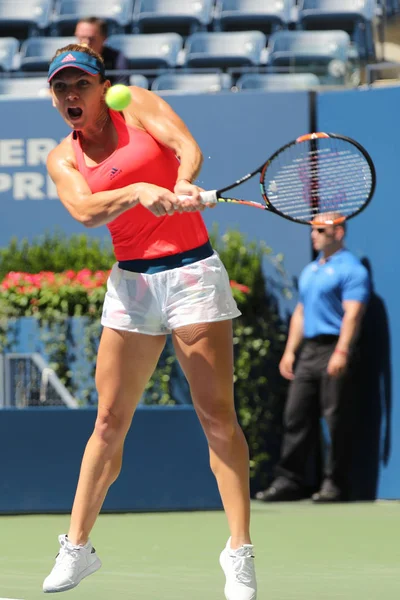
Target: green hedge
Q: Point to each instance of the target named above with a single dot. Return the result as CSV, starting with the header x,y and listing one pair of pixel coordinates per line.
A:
x,y
68,279
57,253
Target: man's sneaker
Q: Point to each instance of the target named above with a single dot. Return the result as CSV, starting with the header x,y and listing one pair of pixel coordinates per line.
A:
x,y
238,566
329,492
282,490
73,563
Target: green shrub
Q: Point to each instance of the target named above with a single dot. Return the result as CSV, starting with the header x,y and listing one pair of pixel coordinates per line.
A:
x,y
57,253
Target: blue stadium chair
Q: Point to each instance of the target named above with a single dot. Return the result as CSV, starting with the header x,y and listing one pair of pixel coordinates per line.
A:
x,y
37,52
24,18
262,15
224,49
148,50
356,18
117,14
26,87
392,7
328,54
139,81
277,81
8,50
192,82
182,16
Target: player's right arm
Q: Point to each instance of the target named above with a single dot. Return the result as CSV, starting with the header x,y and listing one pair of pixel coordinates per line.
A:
x,y
294,340
94,210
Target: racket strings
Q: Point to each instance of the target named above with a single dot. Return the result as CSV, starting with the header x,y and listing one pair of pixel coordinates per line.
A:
x,y
321,176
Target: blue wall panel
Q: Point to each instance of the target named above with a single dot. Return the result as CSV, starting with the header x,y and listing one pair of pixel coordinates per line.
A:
x,y
165,463
236,133
370,116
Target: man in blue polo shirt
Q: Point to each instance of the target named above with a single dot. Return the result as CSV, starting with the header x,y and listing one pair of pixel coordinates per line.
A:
x,y
334,290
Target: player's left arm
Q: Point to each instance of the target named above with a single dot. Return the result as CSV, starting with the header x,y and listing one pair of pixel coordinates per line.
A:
x,y
158,118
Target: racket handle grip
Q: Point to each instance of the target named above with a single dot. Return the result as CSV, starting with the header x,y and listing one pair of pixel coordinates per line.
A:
x,y
209,197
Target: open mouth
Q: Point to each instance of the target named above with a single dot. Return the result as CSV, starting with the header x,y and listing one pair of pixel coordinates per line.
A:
x,y
74,113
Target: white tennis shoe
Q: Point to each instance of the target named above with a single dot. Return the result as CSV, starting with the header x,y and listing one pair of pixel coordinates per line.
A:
x,y
73,563
238,566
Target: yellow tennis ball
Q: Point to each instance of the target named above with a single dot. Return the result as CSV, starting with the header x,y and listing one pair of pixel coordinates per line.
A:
x,y
118,96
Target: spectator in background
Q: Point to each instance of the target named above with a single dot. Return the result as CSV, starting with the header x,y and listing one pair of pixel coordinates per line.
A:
x,y
334,290
93,32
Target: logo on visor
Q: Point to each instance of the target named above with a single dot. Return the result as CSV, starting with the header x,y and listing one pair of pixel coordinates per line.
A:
x,y
69,58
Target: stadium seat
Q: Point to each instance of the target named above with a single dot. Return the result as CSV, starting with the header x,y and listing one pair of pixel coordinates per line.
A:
x,y
27,87
224,49
328,54
148,50
37,52
181,16
117,14
8,51
356,18
392,7
261,15
24,18
192,82
277,81
139,81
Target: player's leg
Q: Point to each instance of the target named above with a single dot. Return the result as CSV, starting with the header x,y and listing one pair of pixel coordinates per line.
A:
x,y
125,363
199,309
205,352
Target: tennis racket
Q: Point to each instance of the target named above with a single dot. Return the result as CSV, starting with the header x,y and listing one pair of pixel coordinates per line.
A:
x,y
315,174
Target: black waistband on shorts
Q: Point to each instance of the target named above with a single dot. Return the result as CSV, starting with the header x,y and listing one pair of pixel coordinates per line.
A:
x,y
324,338
165,263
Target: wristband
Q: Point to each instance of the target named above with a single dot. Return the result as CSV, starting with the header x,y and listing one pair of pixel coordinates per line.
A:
x,y
344,352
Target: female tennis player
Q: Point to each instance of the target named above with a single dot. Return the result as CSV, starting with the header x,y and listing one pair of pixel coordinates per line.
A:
x,y
126,170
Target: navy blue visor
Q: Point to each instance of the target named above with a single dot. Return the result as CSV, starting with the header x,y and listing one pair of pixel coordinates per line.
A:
x,y
77,60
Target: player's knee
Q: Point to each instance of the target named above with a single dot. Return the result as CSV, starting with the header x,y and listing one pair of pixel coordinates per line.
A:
x,y
111,428
219,424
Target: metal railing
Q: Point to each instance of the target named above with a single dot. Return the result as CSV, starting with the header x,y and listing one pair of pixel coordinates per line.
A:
x,y
27,380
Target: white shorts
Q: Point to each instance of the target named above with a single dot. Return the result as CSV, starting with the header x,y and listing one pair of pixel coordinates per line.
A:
x,y
158,303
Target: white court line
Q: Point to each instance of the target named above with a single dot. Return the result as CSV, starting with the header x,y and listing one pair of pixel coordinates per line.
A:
x,y
8,598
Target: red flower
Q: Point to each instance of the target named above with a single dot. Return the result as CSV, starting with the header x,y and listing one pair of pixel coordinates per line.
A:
x,y
31,283
240,286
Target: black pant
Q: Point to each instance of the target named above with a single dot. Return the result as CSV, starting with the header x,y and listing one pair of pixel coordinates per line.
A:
x,y
313,394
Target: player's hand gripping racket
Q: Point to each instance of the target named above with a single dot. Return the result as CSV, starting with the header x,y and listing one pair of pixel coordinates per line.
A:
x,y
316,173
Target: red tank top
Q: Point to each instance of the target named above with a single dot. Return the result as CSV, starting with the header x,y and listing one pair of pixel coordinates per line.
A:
x,y
137,233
